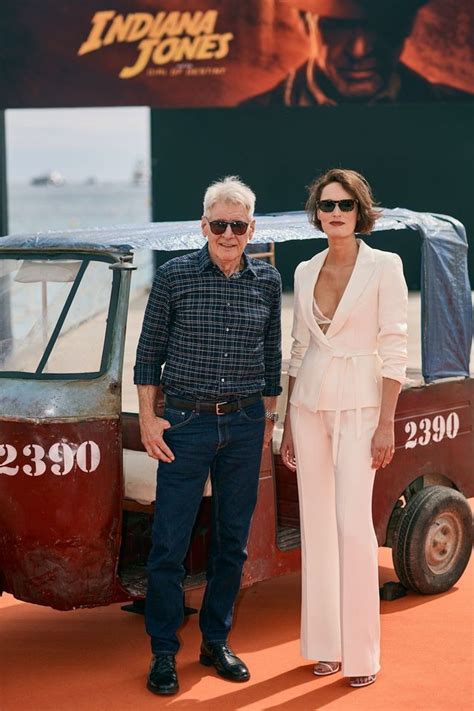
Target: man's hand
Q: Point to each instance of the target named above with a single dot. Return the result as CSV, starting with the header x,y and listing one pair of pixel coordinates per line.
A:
x,y
269,403
151,430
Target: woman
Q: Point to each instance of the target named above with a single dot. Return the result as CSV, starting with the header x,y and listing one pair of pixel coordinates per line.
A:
x,y
347,365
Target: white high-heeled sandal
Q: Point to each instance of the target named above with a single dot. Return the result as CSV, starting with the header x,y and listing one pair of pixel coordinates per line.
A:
x,y
331,668
358,684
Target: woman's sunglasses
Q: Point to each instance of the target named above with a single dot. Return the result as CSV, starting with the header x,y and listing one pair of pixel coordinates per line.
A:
x,y
329,205
218,227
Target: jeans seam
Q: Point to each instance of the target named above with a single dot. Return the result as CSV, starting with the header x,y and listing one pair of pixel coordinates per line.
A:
x,y
250,419
217,539
243,414
192,417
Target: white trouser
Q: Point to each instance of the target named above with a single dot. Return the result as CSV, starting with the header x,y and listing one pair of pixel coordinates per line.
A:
x,y
340,590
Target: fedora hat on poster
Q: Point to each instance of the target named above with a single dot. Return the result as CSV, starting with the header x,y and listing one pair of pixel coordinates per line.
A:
x,y
357,9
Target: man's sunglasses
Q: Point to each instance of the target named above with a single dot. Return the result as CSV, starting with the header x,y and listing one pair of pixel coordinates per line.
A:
x,y
330,205
218,227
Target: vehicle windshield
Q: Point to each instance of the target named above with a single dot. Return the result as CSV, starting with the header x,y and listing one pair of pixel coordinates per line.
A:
x,y
53,316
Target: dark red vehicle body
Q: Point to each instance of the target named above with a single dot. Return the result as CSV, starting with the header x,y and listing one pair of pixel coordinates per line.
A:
x,y
69,538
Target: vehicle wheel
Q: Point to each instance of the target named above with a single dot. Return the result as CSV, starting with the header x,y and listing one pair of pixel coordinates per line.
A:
x,y
432,542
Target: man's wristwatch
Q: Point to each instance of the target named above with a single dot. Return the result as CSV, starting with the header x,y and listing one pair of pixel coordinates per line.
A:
x,y
273,416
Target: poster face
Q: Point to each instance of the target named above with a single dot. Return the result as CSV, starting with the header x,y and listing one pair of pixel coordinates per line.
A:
x,y
221,53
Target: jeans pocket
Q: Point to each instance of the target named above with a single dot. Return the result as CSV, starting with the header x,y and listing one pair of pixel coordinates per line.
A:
x,y
254,413
178,418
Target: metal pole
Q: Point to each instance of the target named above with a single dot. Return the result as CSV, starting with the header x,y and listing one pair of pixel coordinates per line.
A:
x,y
5,311
3,178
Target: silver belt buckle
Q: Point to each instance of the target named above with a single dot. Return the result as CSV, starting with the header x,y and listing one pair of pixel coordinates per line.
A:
x,y
218,405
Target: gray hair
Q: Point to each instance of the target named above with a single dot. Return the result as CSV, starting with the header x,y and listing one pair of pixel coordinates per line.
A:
x,y
229,189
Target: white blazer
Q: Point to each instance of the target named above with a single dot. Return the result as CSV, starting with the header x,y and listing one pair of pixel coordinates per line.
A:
x,y
366,340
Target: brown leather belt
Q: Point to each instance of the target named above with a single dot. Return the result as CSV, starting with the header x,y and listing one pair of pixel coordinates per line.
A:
x,y
218,408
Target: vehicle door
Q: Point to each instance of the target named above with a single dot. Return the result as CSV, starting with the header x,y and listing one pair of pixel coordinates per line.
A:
x,y
61,349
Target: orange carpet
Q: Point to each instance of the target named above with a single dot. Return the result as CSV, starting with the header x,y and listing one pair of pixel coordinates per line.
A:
x,y
96,660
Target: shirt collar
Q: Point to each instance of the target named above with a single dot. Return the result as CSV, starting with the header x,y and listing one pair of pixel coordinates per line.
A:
x,y
205,262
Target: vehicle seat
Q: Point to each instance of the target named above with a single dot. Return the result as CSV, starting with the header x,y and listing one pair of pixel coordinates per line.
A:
x,y
139,470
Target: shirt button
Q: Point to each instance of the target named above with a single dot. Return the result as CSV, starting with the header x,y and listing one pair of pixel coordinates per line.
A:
x,y
225,355
222,380
228,303
227,329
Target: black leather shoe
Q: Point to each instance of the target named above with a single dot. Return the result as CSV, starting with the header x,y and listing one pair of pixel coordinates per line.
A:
x,y
162,677
227,664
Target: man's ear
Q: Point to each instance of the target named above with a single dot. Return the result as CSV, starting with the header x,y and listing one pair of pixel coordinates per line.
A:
x,y
203,225
251,229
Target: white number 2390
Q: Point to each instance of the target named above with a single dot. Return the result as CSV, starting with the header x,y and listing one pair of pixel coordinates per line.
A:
x,y
61,455
432,430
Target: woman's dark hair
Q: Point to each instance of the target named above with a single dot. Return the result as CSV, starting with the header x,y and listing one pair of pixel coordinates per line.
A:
x,y
356,185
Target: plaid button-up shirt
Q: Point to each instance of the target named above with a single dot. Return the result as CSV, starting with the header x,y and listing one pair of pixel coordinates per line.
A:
x,y
219,337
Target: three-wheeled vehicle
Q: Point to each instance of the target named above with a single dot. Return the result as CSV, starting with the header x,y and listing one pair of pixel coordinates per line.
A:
x,y
76,486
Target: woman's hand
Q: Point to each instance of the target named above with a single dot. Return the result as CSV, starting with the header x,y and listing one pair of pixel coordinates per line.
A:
x,y
383,445
287,449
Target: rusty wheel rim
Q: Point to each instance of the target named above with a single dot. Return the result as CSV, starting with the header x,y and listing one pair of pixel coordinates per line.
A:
x,y
443,542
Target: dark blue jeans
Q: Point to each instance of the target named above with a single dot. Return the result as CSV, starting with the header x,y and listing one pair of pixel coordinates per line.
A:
x,y
230,447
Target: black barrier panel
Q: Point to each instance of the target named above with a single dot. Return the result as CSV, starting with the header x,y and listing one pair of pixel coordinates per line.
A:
x,y
415,156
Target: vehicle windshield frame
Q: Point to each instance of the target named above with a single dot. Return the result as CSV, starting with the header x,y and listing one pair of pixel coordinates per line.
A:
x,y
86,257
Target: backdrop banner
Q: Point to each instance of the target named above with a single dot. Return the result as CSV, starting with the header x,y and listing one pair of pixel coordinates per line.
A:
x,y
211,53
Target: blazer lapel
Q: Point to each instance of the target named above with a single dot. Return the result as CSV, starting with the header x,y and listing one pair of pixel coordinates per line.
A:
x,y
361,274
307,292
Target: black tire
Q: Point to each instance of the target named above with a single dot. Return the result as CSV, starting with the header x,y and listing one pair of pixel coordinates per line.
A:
x,y
433,540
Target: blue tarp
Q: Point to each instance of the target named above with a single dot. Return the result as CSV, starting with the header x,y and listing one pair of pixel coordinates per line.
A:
x,y
445,289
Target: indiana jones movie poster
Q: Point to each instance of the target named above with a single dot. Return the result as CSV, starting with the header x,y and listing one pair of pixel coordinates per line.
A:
x,y
206,53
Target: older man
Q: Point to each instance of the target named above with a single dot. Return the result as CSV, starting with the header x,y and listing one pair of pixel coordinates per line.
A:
x,y
213,319
355,48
